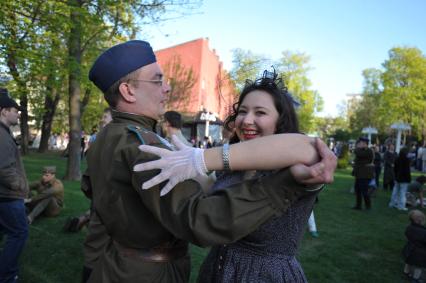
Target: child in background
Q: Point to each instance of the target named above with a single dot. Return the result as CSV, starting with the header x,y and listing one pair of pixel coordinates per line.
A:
x,y
414,252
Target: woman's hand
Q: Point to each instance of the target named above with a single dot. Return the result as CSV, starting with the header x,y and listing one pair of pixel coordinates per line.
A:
x,y
318,173
176,166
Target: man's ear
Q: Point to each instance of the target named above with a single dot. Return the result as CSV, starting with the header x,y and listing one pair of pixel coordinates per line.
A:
x,y
126,93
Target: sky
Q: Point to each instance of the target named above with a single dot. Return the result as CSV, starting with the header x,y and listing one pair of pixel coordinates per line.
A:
x,y
342,37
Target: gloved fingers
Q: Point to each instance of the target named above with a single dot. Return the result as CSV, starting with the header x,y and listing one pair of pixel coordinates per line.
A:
x,y
154,181
154,150
168,187
178,143
150,165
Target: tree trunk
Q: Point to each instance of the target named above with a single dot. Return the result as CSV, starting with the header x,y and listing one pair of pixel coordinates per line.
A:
x,y
12,65
50,103
74,89
25,132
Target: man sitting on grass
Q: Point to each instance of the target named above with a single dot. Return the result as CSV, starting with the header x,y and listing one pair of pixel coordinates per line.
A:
x,y
50,195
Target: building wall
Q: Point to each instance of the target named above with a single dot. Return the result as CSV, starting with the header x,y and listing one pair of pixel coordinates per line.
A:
x,y
213,90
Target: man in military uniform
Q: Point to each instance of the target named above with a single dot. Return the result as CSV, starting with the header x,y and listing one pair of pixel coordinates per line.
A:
x,y
50,195
147,236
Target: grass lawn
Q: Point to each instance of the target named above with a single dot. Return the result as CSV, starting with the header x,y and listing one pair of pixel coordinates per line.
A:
x,y
354,246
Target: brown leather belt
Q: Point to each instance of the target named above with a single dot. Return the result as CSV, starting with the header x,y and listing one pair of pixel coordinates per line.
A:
x,y
157,254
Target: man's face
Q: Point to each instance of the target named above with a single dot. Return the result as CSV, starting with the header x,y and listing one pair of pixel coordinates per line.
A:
x,y
47,177
151,91
10,116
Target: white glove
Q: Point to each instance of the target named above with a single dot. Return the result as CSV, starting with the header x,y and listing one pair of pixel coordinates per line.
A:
x,y
177,166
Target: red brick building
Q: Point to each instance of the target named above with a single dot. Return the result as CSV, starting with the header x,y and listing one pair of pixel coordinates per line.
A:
x,y
201,88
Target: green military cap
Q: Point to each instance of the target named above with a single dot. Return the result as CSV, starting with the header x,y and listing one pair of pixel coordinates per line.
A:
x,y
49,169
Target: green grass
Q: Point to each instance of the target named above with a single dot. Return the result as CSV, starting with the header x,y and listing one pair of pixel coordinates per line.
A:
x,y
354,246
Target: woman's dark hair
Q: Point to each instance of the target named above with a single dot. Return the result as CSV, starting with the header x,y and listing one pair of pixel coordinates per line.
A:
x,y
274,86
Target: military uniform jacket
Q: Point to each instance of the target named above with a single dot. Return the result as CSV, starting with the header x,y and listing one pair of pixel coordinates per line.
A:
x,y
53,189
13,181
363,167
137,218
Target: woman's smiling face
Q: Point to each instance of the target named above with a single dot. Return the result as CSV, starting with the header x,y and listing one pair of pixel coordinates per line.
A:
x,y
257,116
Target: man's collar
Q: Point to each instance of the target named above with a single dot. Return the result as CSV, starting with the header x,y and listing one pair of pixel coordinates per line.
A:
x,y
146,122
5,126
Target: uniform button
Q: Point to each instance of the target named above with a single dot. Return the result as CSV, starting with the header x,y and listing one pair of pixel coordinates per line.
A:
x,y
224,246
286,200
221,257
220,267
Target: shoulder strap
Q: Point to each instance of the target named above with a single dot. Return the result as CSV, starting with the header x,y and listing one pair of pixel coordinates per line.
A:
x,y
147,137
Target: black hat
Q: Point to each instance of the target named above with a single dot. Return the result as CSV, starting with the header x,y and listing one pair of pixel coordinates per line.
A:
x,y
6,101
363,139
120,60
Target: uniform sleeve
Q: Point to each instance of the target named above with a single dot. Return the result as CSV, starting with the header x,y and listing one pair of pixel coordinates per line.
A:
x,y
54,190
86,186
222,217
9,176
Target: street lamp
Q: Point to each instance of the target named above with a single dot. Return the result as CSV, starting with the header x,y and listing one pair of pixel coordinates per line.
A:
x,y
369,130
399,126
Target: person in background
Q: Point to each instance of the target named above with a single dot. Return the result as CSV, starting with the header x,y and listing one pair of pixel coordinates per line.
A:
x,y
402,179
363,172
389,158
50,195
377,165
13,191
414,252
172,125
416,188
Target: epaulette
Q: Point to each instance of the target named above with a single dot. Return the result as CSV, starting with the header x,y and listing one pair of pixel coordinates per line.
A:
x,y
143,135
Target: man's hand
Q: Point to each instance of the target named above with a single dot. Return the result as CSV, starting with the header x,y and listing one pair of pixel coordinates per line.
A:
x,y
176,166
319,173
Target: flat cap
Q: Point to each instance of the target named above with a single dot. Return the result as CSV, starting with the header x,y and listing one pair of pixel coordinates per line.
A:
x,y
120,60
6,101
49,169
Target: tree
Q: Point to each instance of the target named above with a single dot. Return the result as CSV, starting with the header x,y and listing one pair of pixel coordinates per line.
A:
x,y
79,29
404,88
246,65
294,68
181,80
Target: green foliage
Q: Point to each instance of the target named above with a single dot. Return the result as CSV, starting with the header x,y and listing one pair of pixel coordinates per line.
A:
x,y
246,65
294,67
343,161
396,93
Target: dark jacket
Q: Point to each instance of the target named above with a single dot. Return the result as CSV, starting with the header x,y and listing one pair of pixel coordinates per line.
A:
x,y
414,251
389,164
363,166
140,219
402,170
13,181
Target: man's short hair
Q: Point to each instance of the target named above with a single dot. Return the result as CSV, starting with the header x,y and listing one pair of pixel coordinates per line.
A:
x,y
174,119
